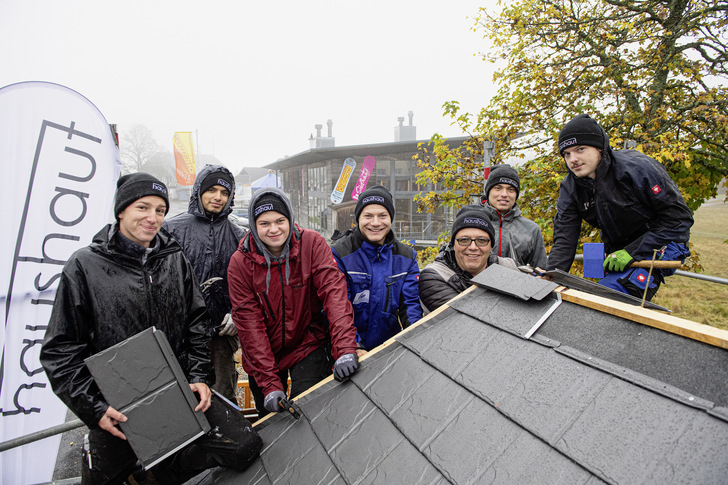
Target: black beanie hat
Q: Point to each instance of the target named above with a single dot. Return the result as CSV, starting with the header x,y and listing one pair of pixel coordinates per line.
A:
x,y
220,178
374,195
503,174
134,186
472,216
582,130
270,202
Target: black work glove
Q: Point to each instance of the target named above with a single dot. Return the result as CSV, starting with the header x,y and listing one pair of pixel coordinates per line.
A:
x,y
345,366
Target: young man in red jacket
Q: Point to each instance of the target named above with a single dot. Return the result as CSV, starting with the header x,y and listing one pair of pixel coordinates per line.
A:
x,y
290,305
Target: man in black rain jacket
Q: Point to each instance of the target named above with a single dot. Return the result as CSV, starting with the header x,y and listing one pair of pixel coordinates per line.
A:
x,y
626,194
208,239
131,277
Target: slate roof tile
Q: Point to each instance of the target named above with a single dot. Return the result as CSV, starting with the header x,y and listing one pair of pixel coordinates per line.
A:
x,y
472,441
506,313
389,382
403,465
452,344
528,458
627,431
283,455
523,286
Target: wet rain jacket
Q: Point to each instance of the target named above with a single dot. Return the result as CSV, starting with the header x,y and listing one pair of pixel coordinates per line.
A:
x,y
442,280
517,237
382,284
632,200
106,296
284,323
208,242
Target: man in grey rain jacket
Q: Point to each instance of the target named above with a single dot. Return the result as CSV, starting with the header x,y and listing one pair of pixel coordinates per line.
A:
x,y
516,237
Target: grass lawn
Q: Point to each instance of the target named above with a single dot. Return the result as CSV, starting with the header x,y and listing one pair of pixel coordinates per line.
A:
x,y
697,300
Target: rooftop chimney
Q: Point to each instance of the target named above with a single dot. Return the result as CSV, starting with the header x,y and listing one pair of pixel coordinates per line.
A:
x,y
405,133
322,141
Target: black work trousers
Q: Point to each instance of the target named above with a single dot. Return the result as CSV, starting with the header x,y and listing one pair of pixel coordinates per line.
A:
x,y
231,443
305,373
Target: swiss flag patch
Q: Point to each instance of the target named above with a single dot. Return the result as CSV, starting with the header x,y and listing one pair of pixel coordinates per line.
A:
x,y
641,278
656,189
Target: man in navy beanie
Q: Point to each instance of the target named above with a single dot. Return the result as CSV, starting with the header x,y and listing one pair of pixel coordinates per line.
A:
x,y
516,237
467,254
134,276
381,272
626,194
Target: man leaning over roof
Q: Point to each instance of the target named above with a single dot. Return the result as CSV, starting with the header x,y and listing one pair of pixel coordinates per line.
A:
x,y
208,239
516,237
131,277
626,194
381,272
467,254
289,305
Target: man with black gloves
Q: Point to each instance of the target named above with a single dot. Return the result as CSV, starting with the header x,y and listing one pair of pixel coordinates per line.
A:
x,y
208,239
134,276
516,237
467,254
289,304
381,272
626,194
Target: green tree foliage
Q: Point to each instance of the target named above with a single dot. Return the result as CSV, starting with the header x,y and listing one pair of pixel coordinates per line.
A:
x,y
649,71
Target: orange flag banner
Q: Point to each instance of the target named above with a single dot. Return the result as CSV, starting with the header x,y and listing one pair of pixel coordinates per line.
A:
x,y
184,157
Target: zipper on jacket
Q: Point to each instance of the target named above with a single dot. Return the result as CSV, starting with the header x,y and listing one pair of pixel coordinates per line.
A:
x,y
270,308
283,310
500,234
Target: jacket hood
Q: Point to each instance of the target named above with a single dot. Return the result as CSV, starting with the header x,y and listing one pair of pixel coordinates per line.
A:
x,y
195,205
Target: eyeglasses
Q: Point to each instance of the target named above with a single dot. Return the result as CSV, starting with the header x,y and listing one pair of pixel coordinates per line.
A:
x,y
481,242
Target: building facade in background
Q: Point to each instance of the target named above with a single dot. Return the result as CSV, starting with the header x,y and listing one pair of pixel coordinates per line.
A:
x,y
310,177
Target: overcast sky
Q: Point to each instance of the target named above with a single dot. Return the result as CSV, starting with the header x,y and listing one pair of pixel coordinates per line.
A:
x,y
253,78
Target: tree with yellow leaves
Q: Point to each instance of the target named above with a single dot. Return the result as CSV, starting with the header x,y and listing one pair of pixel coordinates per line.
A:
x,y
651,72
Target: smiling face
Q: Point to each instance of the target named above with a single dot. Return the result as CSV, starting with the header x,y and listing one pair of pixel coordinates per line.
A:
x,y
583,160
273,229
502,197
140,221
214,199
472,258
375,223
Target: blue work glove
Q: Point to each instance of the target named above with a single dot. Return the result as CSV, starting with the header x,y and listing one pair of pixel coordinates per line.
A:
x,y
345,366
618,261
272,399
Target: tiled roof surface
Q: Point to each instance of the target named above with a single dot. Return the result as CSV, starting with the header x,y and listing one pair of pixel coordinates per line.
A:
x,y
464,398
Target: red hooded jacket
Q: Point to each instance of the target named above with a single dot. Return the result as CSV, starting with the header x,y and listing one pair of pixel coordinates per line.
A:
x,y
283,324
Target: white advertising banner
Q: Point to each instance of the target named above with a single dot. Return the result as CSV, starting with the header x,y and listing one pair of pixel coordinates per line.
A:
x,y
58,169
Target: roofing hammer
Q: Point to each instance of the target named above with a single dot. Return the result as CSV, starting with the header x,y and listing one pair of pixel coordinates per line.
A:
x,y
288,405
